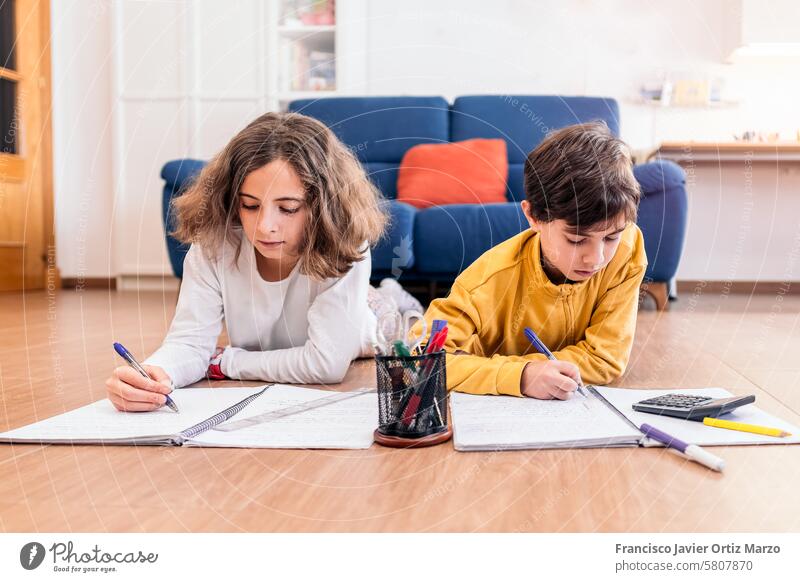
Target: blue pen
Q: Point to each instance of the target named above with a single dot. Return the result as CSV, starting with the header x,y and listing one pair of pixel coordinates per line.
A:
x,y
540,347
128,357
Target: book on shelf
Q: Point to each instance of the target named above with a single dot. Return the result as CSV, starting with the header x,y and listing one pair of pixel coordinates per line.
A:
x,y
312,70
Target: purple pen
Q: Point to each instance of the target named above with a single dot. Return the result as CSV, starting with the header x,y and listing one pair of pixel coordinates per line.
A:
x,y
694,452
543,349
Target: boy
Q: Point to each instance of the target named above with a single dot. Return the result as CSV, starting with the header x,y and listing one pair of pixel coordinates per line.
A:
x,y
573,277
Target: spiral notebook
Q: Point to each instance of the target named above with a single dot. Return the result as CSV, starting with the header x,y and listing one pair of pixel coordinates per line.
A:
x,y
490,423
344,423
604,419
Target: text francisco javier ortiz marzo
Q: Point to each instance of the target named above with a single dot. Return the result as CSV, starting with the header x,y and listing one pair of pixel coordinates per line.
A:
x,y
64,553
678,549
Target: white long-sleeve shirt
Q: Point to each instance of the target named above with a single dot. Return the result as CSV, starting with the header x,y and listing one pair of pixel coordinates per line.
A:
x,y
297,330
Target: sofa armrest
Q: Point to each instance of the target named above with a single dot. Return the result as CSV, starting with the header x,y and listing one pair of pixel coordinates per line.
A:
x,y
177,175
662,216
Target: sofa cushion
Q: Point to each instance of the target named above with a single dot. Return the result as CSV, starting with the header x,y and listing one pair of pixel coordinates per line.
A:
x,y
384,176
524,121
658,176
516,182
465,172
449,238
381,129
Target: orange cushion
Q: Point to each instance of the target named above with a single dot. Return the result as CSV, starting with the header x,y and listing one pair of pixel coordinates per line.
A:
x,y
463,172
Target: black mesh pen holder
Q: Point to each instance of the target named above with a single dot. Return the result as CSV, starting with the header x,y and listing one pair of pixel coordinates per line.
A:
x,y
412,400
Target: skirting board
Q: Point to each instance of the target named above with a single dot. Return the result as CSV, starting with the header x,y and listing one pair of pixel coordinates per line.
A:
x,y
82,283
740,287
170,283
122,283
147,283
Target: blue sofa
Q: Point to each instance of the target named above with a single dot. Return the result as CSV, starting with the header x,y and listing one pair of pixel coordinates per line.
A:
x,y
436,244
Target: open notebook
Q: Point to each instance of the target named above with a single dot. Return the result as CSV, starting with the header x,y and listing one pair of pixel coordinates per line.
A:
x,y
604,419
343,424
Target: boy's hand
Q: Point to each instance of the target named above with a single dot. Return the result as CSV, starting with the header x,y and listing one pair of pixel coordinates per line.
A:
x,y
550,379
129,391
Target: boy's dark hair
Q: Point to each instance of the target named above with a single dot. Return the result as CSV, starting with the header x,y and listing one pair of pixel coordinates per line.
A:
x,y
583,175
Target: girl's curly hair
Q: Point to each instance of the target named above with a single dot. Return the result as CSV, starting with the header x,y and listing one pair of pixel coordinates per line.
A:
x,y
344,206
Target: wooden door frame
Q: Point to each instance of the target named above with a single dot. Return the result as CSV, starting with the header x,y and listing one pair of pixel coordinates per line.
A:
x,y
41,165
52,274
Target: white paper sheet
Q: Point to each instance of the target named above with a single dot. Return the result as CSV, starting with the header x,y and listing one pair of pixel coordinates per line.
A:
x,y
347,424
507,422
101,422
696,432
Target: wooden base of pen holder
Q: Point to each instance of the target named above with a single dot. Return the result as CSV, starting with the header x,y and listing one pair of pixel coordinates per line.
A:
x,y
412,400
413,443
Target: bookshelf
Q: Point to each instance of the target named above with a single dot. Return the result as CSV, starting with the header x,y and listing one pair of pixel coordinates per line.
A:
x,y
316,49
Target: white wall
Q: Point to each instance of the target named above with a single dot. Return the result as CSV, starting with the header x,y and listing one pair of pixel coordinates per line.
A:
x,y
744,221
190,74
580,47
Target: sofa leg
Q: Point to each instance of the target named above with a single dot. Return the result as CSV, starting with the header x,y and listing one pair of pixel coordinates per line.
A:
x,y
659,291
433,290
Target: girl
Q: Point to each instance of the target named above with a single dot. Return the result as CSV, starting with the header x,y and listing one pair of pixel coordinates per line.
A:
x,y
280,223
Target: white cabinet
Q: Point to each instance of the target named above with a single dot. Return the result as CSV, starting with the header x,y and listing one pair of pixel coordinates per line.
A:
x,y
189,74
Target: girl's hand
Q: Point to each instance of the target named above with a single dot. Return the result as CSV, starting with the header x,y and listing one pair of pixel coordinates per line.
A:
x,y
129,391
550,379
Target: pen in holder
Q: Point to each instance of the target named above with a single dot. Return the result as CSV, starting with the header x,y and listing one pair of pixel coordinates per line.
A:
x,y
412,400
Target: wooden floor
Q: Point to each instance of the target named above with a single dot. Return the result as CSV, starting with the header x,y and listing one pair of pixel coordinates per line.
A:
x,y
55,353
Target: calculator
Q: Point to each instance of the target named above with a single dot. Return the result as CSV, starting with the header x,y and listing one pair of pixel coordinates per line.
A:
x,y
690,407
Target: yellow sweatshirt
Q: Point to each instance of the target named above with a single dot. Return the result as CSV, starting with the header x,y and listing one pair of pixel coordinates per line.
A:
x,y
590,323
